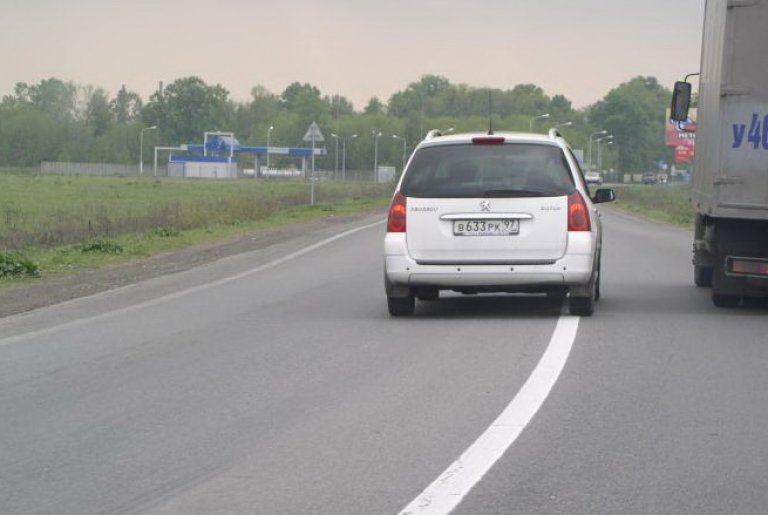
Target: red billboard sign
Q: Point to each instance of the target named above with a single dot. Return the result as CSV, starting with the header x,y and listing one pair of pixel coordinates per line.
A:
x,y
681,133
684,153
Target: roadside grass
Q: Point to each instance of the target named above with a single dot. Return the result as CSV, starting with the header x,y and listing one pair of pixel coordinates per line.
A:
x,y
663,202
53,225
66,224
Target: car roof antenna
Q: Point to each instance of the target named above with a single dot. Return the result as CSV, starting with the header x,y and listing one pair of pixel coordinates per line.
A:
x,y
490,113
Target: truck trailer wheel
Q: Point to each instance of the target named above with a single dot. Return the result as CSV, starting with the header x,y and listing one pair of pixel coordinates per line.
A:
x,y
722,300
702,276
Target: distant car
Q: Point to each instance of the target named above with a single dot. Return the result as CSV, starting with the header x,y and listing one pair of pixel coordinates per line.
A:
x,y
500,213
650,178
593,178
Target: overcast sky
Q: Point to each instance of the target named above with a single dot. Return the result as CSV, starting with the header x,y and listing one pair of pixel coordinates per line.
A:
x,y
357,48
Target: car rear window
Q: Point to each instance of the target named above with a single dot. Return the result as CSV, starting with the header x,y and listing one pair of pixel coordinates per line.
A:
x,y
468,170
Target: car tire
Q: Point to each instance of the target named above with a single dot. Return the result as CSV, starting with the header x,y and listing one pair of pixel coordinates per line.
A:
x,y
428,294
585,306
582,306
401,306
702,276
597,281
557,293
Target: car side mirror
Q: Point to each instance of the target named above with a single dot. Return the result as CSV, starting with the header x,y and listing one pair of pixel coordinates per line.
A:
x,y
604,195
681,101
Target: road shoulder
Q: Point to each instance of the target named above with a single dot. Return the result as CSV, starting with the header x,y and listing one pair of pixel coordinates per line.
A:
x,y
48,291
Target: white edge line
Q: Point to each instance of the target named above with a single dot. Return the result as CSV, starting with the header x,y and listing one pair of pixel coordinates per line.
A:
x,y
173,296
447,491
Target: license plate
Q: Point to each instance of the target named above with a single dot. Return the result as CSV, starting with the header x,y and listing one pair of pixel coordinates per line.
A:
x,y
486,227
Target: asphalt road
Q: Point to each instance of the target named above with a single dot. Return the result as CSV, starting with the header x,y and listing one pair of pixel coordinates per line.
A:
x,y
256,386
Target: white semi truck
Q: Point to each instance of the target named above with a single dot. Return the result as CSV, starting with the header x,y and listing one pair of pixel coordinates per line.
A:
x,y
730,178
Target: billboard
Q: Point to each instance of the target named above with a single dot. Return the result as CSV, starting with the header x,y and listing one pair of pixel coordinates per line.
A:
x,y
684,153
682,133
682,136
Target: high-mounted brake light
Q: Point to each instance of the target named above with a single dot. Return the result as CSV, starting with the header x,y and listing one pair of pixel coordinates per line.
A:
x,y
578,215
397,212
489,140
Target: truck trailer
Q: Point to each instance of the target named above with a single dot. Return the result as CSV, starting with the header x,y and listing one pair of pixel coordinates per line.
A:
x,y
730,174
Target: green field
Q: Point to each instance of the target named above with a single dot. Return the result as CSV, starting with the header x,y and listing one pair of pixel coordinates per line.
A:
x,y
51,224
663,202
62,223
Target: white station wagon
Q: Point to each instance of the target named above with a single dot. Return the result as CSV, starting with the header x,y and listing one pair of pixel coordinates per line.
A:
x,y
489,213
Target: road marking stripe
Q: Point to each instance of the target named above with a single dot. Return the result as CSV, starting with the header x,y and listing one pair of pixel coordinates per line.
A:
x,y
176,295
448,490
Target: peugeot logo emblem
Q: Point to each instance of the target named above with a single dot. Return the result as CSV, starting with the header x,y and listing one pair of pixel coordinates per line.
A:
x,y
485,206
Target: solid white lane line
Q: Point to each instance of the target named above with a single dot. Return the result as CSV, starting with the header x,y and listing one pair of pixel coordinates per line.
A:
x,y
448,490
173,296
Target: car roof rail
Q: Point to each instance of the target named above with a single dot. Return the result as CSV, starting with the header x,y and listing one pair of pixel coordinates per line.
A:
x,y
434,133
554,134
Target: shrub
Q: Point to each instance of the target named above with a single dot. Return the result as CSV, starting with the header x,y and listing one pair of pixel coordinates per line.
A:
x,y
17,265
166,232
100,247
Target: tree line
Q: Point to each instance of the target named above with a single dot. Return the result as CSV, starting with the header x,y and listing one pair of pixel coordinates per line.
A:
x,y
55,120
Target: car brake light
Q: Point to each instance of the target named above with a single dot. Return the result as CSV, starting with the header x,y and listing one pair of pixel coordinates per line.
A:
x,y
578,216
489,140
397,211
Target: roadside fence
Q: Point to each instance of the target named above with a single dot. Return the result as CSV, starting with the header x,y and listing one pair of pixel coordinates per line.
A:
x,y
98,169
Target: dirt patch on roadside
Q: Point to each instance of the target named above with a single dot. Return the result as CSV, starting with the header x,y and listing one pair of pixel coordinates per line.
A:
x,y
26,297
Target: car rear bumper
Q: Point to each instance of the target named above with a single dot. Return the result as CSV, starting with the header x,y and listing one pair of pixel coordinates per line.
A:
x,y
573,269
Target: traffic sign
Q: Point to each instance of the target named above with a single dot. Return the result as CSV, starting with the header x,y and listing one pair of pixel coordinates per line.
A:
x,y
313,133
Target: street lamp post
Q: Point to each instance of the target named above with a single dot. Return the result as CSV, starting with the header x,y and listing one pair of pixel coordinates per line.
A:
x,y
395,136
608,140
376,136
615,160
598,141
336,166
566,124
343,153
269,131
344,158
141,147
591,136
540,117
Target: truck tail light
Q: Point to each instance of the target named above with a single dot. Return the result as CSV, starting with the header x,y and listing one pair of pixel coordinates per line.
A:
x,y
578,214
397,212
747,266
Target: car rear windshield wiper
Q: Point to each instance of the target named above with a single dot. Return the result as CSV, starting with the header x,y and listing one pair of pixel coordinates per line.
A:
x,y
521,193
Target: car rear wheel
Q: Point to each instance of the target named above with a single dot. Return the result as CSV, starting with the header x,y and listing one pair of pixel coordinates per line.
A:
x,y
557,293
582,306
401,306
428,294
585,306
597,281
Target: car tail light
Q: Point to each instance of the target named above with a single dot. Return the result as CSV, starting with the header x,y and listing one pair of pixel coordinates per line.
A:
x,y
578,215
396,218
489,140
